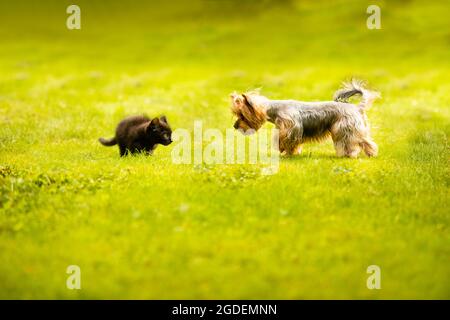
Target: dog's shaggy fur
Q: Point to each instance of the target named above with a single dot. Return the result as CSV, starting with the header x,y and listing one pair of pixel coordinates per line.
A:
x,y
300,122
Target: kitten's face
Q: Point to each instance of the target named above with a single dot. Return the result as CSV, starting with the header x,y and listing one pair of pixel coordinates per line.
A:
x,y
160,130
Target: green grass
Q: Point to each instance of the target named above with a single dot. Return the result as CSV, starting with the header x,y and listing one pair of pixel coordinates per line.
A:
x,y
143,227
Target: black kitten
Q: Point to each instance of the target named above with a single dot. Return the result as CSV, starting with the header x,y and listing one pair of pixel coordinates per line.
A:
x,y
139,133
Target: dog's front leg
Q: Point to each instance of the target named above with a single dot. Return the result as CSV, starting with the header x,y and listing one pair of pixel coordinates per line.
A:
x,y
298,149
290,140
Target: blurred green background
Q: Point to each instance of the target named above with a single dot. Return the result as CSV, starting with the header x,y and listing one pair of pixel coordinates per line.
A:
x,y
146,228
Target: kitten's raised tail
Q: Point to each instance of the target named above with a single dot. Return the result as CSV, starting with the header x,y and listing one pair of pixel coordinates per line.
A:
x,y
108,143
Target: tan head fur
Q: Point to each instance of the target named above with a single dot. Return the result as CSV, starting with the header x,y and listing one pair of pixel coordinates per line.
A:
x,y
251,114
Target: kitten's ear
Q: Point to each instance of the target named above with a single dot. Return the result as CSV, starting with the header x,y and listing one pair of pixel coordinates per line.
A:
x,y
154,122
163,119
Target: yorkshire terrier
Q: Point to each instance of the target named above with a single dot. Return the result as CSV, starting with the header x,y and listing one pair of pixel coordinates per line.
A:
x,y
300,122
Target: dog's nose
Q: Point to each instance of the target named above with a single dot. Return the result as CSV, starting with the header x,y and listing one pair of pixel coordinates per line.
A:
x,y
236,125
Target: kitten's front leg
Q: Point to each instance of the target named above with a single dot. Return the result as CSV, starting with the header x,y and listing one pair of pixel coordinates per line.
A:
x,y
149,150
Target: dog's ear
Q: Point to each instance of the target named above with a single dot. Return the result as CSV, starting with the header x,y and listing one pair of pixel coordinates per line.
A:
x,y
236,99
247,110
163,119
236,102
248,102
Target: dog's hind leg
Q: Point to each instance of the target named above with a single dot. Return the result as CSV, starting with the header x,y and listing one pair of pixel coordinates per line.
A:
x,y
345,142
339,146
339,137
350,135
369,146
353,150
347,148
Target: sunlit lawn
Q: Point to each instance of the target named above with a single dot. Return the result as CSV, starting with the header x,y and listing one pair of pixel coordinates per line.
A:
x,y
143,227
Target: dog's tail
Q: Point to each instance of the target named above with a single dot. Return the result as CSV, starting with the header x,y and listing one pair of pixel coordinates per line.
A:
x,y
356,87
108,142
